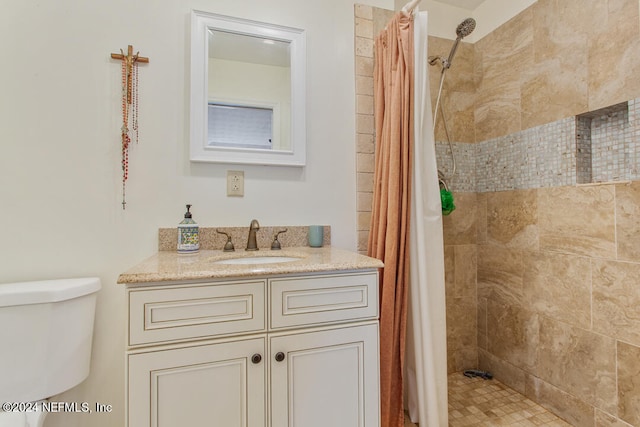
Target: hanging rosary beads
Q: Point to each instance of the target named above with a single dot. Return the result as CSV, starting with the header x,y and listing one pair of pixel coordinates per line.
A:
x,y
129,106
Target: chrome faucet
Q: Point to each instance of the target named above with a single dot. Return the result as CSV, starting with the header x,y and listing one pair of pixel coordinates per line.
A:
x,y
252,245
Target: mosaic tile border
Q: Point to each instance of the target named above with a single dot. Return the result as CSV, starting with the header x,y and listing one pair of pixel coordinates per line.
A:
x,y
600,146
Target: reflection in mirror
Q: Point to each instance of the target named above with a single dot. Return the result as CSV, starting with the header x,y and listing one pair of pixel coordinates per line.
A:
x,y
247,91
239,126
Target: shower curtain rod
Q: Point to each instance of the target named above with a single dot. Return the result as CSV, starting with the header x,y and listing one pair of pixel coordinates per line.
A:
x,y
408,8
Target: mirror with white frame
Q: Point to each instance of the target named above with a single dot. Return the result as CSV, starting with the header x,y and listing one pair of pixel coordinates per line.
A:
x,y
247,91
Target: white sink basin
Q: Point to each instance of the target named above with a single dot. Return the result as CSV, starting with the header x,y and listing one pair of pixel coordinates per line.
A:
x,y
257,260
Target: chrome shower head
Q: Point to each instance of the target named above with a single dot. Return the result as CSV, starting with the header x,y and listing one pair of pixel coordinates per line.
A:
x,y
466,27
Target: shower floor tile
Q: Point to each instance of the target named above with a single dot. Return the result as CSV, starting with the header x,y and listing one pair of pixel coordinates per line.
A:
x,y
478,402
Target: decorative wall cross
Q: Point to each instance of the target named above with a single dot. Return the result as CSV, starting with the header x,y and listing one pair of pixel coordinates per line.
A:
x,y
129,105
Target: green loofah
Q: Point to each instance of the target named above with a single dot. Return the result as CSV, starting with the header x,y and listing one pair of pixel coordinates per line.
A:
x,y
447,201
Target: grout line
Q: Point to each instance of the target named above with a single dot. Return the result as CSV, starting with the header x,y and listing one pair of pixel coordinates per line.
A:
x,y
596,184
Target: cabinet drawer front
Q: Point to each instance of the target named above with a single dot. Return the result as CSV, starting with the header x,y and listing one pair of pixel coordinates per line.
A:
x,y
157,315
314,300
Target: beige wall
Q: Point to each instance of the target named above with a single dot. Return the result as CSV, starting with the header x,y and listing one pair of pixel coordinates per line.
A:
x,y
543,285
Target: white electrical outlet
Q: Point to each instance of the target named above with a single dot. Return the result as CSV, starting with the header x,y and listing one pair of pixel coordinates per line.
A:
x,y
235,183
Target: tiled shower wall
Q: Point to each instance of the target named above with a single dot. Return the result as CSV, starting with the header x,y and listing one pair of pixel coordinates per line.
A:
x,y
369,21
551,269
595,147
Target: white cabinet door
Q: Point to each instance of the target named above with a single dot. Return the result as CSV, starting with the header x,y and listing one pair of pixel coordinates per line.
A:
x,y
325,378
219,384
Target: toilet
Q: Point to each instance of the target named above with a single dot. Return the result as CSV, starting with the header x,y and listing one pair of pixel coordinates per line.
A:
x,y
45,341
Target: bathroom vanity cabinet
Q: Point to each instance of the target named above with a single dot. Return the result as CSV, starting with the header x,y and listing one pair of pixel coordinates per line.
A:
x,y
290,350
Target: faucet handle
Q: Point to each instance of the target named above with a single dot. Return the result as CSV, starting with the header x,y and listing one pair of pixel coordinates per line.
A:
x,y
275,245
228,247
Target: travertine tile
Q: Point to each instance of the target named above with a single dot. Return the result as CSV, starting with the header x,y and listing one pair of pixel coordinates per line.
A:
x,y
560,27
364,47
460,226
629,383
459,115
380,18
365,162
512,334
466,267
438,47
616,300
482,323
614,41
578,220
461,76
512,218
364,66
365,124
497,111
570,408
365,143
364,28
462,346
558,286
503,371
364,104
364,221
364,85
628,221
363,11
363,242
578,362
365,200
500,274
559,83
556,85
481,222
458,94
364,182
477,402
602,419
506,53
450,271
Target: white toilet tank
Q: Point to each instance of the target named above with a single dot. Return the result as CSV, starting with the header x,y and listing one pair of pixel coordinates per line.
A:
x,y
46,330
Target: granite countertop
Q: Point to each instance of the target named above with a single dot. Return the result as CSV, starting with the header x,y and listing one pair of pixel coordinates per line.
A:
x,y
169,266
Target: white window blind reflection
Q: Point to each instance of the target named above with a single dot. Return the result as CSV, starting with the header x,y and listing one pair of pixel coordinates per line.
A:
x,y
239,126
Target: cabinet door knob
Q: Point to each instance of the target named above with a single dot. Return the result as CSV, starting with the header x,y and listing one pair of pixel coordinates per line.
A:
x,y
279,356
256,358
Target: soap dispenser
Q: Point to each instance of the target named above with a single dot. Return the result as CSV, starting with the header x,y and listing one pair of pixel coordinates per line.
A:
x,y
188,234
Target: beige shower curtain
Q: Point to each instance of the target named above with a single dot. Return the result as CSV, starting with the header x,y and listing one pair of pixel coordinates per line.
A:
x,y
389,236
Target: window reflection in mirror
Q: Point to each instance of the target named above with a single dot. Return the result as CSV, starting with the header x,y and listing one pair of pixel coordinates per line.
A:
x,y
240,126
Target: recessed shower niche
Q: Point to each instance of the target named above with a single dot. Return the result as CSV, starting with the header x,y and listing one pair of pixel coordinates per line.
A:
x,y
606,144
593,147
